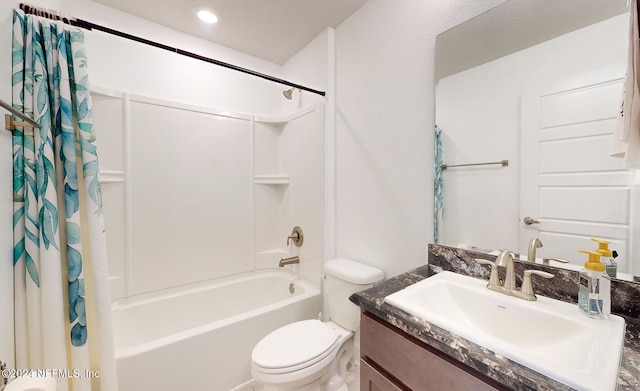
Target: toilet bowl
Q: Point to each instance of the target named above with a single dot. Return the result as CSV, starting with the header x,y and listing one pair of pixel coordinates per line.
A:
x,y
300,353
312,355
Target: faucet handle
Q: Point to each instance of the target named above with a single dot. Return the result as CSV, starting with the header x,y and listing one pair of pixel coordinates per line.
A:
x,y
297,236
493,277
526,291
546,260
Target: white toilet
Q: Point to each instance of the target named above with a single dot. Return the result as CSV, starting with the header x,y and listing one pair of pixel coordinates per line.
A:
x,y
311,355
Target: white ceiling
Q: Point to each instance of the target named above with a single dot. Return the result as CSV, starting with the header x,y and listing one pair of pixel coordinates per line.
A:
x,y
270,29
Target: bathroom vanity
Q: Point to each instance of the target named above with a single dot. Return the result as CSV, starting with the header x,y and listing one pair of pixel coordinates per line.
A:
x,y
392,358
400,351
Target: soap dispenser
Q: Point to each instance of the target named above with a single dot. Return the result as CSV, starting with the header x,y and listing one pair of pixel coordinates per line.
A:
x,y
594,287
610,264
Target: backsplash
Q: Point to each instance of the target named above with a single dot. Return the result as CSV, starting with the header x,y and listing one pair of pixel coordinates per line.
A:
x,y
625,295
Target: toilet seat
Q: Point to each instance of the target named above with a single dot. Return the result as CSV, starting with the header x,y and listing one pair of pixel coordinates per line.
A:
x,y
295,346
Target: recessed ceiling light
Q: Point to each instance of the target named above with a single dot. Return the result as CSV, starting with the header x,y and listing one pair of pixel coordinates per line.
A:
x,y
207,16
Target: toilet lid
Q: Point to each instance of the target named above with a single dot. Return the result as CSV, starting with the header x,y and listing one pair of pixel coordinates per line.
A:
x,y
294,346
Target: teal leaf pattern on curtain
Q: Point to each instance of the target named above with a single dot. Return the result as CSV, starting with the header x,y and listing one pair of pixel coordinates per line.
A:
x,y
51,84
438,204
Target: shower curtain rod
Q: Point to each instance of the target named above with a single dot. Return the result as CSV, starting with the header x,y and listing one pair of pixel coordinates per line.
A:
x,y
51,14
10,124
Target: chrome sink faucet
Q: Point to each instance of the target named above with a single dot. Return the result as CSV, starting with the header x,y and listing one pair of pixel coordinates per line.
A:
x,y
534,244
509,287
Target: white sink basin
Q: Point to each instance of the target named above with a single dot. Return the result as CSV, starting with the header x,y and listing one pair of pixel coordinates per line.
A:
x,y
549,336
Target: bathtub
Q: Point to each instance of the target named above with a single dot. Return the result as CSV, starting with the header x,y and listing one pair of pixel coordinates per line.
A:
x,y
201,338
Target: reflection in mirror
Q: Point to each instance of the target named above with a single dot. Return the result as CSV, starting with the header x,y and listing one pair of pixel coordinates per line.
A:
x,y
538,84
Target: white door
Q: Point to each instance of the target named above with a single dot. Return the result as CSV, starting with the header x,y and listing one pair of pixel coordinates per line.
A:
x,y
569,184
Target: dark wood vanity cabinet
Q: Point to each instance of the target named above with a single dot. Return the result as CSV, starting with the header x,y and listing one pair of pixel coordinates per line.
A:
x,y
392,360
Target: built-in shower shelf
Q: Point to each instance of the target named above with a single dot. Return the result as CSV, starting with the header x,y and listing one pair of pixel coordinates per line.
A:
x,y
273,120
271,179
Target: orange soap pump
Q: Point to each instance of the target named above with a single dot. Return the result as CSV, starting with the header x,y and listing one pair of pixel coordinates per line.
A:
x,y
594,287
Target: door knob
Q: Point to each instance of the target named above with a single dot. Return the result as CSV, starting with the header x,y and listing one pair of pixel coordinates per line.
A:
x,y
528,221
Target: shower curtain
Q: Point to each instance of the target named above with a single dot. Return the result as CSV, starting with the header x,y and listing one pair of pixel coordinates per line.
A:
x,y
62,303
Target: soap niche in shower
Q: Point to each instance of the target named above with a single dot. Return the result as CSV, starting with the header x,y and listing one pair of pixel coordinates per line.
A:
x,y
269,143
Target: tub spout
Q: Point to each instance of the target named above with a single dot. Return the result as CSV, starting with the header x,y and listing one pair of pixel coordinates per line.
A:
x,y
288,261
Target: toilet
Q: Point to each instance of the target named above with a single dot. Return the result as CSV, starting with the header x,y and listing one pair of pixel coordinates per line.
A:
x,y
312,355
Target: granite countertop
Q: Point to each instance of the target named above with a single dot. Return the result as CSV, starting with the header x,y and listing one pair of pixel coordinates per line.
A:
x,y
497,367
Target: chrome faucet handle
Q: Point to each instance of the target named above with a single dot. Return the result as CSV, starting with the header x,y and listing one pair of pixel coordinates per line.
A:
x,y
526,291
493,277
297,236
545,261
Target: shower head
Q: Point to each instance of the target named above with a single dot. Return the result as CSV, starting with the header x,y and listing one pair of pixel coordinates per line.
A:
x,y
288,93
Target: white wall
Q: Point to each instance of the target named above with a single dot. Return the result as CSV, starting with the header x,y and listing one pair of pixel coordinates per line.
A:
x,y
489,96
137,68
149,71
310,65
385,116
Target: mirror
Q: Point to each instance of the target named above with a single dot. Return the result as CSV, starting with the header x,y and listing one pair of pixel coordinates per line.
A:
x,y
489,70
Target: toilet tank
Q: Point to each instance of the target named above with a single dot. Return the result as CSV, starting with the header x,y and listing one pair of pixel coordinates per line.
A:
x,y
344,277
